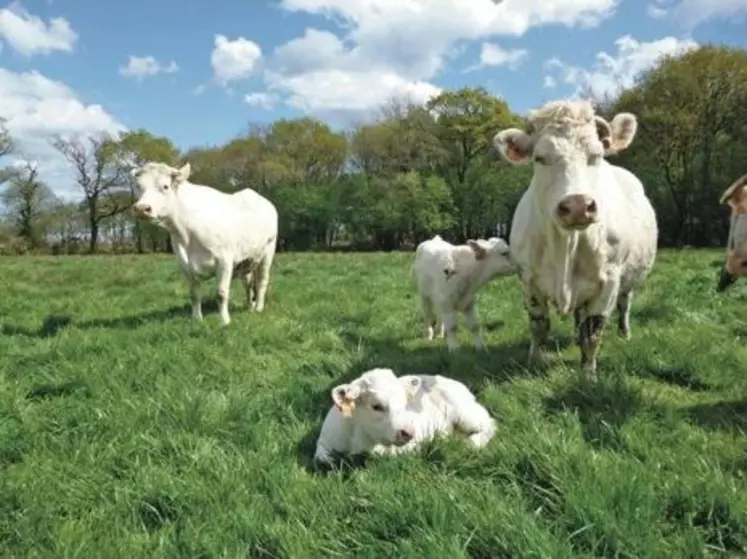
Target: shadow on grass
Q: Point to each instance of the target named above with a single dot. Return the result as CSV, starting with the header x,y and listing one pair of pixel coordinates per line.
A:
x,y
728,416
53,324
602,407
678,375
46,391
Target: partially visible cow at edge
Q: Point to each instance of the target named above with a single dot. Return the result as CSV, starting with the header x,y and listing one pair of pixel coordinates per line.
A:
x,y
735,264
584,234
212,232
448,278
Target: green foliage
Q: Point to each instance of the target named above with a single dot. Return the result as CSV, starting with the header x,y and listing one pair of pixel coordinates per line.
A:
x,y
129,430
415,170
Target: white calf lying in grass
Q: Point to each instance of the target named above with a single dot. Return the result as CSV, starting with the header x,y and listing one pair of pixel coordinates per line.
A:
x,y
449,276
379,413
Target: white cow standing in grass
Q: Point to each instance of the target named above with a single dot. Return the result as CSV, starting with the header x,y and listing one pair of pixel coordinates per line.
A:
x,y
584,234
379,413
735,265
448,278
212,232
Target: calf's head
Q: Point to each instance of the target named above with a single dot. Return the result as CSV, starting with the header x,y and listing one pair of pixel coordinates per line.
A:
x,y
567,143
156,186
377,402
494,254
735,265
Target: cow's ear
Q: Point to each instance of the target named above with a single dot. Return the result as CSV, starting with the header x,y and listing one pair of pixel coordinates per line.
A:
x,y
617,135
478,248
736,195
181,175
514,145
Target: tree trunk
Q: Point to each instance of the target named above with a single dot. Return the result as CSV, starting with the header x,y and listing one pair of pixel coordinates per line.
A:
x,y
94,239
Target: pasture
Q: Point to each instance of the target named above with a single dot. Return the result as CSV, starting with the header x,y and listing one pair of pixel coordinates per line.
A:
x,y
129,430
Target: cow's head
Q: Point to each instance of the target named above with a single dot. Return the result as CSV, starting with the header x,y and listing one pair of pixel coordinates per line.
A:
x,y
377,401
567,143
735,265
156,186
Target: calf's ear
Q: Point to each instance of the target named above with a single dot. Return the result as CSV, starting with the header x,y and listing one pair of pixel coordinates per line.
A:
x,y
514,145
412,384
736,195
479,250
344,396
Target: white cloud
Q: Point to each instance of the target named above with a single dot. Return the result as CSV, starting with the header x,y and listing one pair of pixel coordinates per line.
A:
x,y
29,34
140,67
494,55
387,47
263,100
38,108
548,82
346,91
694,12
234,60
610,72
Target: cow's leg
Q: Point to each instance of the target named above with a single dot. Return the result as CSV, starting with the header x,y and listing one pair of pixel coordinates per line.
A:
x,y
429,316
539,323
475,421
725,280
474,325
577,318
195,296
590,332
450,326
223,273
624,301
262,278
249,290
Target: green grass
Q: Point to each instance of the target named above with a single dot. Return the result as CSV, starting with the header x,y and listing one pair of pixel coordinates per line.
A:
x,y
129,430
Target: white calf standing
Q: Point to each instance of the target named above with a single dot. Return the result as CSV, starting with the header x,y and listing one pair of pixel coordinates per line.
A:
x,y
211,232
379,413
449,277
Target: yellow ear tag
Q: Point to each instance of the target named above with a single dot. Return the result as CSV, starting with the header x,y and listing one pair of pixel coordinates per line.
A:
x,y
347,407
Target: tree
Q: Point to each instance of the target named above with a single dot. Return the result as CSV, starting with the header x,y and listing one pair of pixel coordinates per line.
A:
x,y
28,200
467,120
692,138
99,175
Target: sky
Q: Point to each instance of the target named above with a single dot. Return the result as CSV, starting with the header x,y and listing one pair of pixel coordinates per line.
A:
x,y
200,71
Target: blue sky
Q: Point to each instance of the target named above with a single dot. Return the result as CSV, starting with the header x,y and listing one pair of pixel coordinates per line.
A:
x,y
204,69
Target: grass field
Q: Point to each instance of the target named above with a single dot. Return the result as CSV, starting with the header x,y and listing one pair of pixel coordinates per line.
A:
x,y
129,430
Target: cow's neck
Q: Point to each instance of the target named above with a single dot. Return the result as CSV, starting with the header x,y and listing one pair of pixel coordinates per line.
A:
x,y
563,250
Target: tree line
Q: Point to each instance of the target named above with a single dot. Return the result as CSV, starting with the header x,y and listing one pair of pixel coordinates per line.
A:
x,y
412,172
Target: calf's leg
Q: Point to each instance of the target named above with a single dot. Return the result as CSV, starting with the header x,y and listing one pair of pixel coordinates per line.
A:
x,y
249,290
474,325
450,325
429,316
475,421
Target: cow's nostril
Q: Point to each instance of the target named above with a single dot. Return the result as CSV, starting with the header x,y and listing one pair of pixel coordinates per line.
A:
x,y
591,207
404,435
563,209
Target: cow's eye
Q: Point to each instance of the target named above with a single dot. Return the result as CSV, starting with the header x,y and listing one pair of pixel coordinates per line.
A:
x,y
165,186
378,407
539,159
594,159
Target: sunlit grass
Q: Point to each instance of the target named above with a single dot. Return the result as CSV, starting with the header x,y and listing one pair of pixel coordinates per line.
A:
x,y
127,429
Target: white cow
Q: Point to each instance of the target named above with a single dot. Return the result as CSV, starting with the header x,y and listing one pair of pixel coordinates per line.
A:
x,y
584,234
378,413
735,265
212,232
448,278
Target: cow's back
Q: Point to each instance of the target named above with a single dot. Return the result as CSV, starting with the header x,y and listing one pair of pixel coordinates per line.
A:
x,y
243,223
